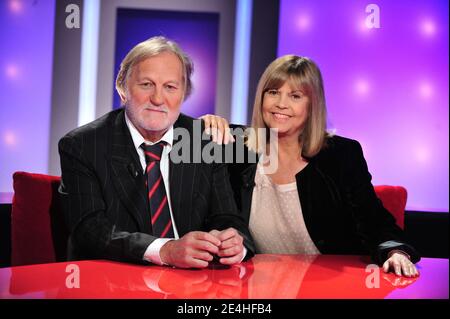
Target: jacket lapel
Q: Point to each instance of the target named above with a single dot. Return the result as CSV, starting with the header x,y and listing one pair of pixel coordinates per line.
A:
x,y
176,178
128,178
304,193
248,183
307,192
181,179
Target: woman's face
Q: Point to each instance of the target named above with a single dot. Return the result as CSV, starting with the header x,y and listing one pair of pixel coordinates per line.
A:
x,y
285,109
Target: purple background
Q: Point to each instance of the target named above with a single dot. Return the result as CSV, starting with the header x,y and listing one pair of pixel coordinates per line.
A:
x,y
386,87
197,35
26,46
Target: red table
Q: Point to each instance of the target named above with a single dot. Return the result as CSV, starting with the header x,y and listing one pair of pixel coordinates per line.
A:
x,y
263,277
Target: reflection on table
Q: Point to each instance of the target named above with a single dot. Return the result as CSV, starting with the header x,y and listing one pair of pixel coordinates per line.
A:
x,y
263,277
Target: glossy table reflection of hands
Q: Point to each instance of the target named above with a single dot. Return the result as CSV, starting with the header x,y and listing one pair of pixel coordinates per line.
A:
x,y
262,277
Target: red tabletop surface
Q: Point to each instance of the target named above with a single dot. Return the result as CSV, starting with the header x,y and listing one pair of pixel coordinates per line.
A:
x,y
262,277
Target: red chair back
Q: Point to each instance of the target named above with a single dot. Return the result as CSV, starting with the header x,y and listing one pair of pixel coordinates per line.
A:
x,y
38,231
394,200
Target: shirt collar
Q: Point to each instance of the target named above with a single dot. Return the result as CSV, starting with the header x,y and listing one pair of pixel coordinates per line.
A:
x,y
138,139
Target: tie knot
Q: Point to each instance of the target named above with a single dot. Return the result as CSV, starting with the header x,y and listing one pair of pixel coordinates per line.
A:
x,y
153,152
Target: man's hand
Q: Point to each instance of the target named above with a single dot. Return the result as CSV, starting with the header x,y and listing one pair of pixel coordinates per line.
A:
x,y
218,127
193,250
231,248
401,265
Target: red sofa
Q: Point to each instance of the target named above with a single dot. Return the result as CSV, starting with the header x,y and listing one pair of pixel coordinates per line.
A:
x,y
39,234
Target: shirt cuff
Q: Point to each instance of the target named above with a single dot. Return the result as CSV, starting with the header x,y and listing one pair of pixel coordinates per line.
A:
x,y
152,252
245,253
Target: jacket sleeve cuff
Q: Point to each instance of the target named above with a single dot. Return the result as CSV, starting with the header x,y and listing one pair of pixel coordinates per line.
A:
x,y
385,249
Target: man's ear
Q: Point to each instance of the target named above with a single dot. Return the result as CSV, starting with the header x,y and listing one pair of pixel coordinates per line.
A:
x,y
123,98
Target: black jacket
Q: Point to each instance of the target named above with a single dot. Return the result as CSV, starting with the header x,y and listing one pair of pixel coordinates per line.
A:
x,y
341,210
104,194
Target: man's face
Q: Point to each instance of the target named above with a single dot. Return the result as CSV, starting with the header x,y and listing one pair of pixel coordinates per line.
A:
x,y
154,92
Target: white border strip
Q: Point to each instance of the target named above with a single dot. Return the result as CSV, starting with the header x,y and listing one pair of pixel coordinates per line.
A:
x,y
241,62
89,53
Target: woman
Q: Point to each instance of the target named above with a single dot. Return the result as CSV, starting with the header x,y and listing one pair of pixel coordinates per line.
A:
x,y
319,199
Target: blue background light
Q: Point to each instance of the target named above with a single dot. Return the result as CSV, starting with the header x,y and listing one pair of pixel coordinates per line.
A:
x,y
197,35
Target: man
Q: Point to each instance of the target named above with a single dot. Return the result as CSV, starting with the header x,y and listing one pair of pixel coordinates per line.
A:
x,y
125,199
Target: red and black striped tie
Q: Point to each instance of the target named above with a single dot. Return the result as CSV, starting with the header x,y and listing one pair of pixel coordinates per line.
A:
x,y
157,197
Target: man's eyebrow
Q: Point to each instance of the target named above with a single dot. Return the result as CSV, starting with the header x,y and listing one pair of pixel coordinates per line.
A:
x,y
145,77
174,82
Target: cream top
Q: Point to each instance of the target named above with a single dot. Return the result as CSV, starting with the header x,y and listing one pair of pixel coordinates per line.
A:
x,y
276,219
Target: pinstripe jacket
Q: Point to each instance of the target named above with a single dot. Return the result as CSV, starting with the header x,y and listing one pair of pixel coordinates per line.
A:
x,y
104,195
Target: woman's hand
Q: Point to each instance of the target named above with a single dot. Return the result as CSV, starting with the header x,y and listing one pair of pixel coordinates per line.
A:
x,y
401,265
218,127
